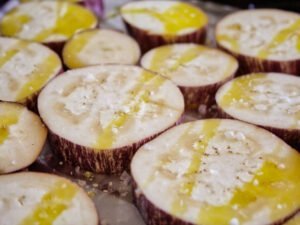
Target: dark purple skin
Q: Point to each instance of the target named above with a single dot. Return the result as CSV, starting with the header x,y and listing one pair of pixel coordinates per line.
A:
x,y
248,64
96,6
111,161
2,3
201,95
291,136
148,41
153,215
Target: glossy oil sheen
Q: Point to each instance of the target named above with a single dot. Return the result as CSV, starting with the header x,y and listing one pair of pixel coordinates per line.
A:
x,y
140,94
178,17
9,116
75,46
39,77
234,46
10,53
280,38
160,56
70,18
239,89
208,132
52,204
272,187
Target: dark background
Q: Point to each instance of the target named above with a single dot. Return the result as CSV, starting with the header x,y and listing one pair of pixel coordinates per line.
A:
x,y
293,5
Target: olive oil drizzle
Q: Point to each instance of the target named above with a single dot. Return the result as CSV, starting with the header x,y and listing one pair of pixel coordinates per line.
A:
x,y
52,204
13,22
38,77
141,94
162,54
174,150
207,132
280,38
176,18
272,186
75,46
11,52
8,118
65,25
239,90
233,43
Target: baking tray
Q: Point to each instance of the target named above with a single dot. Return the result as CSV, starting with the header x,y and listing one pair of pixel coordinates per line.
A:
x,y
112,194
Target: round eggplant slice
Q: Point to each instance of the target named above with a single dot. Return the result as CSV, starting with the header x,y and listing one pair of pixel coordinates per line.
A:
x,y
25,67
263,40
99,116
94,5
22,137
40,198
216,171
154,23
195,69
270,100
48,22
96,46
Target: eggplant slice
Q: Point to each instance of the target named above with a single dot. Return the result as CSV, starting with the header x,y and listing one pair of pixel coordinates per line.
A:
x,y
96,6
270,100
216,171
22,137
25,68
29,198
195,69
99,116
263,40
49,22
102,46
155,23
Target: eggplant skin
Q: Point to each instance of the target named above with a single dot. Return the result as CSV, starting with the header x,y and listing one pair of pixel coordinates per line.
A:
x,y
248,64
111,161
152,215
202,95
96,6
148,41
290,136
